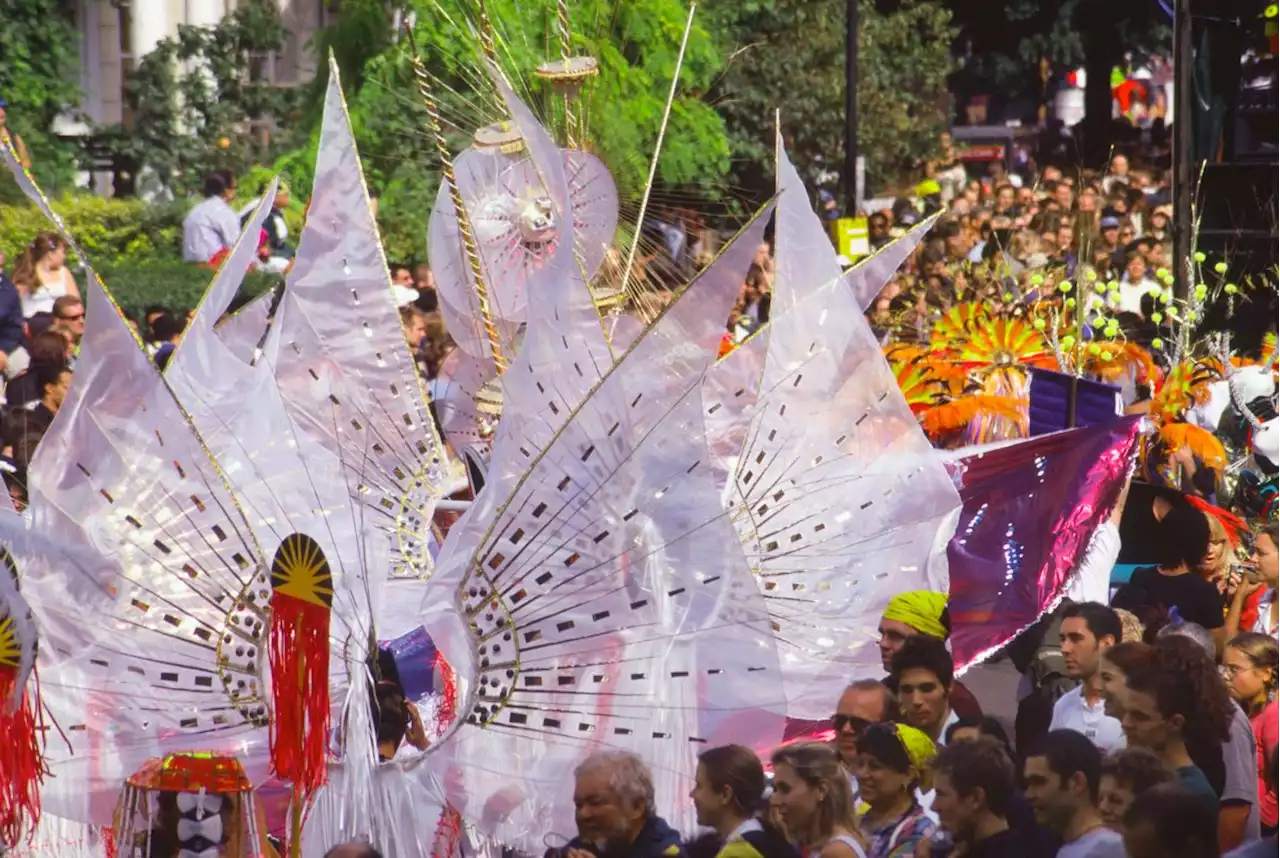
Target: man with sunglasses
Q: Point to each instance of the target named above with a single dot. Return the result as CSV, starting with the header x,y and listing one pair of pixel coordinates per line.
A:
x,y
862,704
68,318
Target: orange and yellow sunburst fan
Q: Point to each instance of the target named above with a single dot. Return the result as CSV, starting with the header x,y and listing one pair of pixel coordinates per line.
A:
x,y
916,378
1006,341
301,601
952,330
21,762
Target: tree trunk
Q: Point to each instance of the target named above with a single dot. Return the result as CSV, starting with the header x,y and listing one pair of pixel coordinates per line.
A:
x,y
1101,53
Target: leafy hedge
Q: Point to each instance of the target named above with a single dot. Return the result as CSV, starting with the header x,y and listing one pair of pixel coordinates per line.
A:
x,y
110,231
134,246
176,285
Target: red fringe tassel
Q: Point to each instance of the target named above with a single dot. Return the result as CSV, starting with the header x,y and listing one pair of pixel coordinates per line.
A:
x,y
299,692
449,828
21,765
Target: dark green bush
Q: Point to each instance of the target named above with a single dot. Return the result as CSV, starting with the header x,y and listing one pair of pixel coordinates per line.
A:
x,y
176,285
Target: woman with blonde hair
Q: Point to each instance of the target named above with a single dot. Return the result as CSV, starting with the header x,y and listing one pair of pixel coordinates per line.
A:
x,y
813,803
1251,666
42,276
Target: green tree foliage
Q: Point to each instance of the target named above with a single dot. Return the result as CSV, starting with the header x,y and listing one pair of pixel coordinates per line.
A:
x,y
790,54
40,78
194,97
635,41
1005,42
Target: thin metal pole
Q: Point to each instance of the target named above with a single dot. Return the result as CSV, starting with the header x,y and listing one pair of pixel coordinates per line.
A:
x,y
1183,123
657,150
851,108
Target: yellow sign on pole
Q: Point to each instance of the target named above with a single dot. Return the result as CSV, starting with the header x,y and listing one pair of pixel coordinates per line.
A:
x,y
851,238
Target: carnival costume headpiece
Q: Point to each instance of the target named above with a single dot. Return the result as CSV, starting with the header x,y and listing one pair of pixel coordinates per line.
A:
x,y
190,806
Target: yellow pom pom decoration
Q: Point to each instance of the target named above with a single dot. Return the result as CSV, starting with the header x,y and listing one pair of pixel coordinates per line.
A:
x,y
1198,256
1220,267
1157,343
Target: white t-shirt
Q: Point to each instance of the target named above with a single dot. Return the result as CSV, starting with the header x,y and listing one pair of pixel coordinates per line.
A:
x,y
1092,581
1098,843
1131,294
1072,712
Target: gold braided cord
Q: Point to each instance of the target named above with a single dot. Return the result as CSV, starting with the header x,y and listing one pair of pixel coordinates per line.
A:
x,y
467,238
562,27
487,44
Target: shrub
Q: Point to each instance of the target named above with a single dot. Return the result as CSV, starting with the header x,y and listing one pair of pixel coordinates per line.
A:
x,y
173,284
110,231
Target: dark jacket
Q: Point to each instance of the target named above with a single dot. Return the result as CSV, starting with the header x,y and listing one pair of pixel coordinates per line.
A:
x,y
277,234
12,326
656,840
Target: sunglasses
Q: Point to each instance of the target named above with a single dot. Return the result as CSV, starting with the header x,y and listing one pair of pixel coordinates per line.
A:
x,y
859,725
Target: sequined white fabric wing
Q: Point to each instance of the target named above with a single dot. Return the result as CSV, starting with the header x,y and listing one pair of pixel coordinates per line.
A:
x,y
563,353
607,607
593,196
839,502
342,363
142,573
242,331
835,495
287,480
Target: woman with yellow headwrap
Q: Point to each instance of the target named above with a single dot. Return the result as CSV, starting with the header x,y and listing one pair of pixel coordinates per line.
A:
x,y
892,767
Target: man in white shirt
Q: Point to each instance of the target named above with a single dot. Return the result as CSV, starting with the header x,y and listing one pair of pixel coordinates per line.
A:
x,y
212,226
1089,629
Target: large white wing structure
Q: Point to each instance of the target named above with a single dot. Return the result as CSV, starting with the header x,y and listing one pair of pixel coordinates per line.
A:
x,y
833,491
145,580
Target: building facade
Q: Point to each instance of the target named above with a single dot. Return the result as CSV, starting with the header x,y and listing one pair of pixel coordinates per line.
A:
x,y
116,34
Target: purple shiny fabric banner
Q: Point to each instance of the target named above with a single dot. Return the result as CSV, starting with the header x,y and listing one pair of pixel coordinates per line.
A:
x,y
1029,510
415,658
